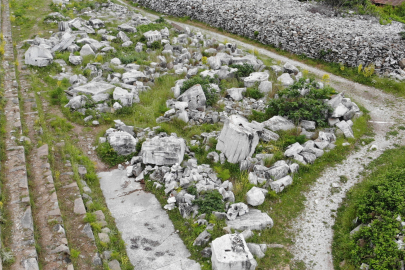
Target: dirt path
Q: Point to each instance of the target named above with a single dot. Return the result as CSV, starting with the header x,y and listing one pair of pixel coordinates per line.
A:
x,y
313,228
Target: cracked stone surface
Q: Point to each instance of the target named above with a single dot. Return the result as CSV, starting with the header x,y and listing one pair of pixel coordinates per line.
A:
x,y
152,242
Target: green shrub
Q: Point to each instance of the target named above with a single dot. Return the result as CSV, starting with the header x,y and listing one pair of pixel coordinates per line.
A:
x,y
160,20
210,94
243,70
253,92
56,96
210,201
297,107
109,156
156,45
224,174
376,202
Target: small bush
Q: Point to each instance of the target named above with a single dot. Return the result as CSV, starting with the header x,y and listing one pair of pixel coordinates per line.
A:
x,y
56,96
243,70
160,20
297,107
109,156
252,92
156,45
74,253
210,201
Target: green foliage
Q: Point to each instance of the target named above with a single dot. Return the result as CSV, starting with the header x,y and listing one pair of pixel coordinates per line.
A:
x,y
210,201
210,94
90,218
74,253
377,201
256,33
253,92
243,70
160,20
109,156
224,174
297,107
57,96
152,27
156,45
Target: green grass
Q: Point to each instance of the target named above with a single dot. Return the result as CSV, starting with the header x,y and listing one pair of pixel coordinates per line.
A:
x,y
376,175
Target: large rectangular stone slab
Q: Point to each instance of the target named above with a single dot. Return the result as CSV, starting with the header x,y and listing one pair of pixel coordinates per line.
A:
x,y
93,88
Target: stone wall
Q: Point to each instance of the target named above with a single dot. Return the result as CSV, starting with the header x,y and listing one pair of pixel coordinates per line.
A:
x,y
298,27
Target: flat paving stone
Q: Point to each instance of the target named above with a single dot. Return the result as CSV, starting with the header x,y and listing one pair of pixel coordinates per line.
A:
x,y
152,242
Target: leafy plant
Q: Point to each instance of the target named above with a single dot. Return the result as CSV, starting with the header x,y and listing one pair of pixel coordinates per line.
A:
x,y
110,156
253,92
297,107
156,45
210,201
74,253
377,202
7,256
243,70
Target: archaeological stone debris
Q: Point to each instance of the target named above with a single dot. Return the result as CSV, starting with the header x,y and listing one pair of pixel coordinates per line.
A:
x,y
182,156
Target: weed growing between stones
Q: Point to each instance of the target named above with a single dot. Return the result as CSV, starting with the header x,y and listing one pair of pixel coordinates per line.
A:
x,y
377,203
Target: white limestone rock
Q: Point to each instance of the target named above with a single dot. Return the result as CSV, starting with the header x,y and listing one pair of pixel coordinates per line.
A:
x,y
252,220
236,93
163,151
238,138
230,252
285,79
280,184
39,56
86,50
278,123
122,142
194,96
255,196
256,77
265,87
124,96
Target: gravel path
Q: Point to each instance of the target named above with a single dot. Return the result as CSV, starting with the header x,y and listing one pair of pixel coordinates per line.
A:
x,y
313,228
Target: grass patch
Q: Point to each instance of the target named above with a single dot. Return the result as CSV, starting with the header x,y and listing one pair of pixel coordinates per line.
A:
x,y
377,200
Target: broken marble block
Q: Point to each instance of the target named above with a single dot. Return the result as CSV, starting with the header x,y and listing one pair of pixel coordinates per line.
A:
x,y
252,220
163,151
280,184
152,36
238,138
195,97
255,196
38,56
122,142
124,96
77,102
255,77
346,129
230,252
278,123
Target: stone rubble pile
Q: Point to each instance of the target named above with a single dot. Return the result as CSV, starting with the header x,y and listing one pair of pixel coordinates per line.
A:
x,y
298,28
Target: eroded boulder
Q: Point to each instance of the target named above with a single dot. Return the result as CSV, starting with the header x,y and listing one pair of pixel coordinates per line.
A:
x,y
122,142
194,96
238,138
39,56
